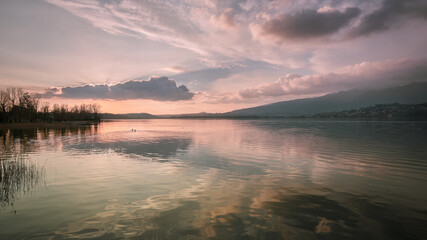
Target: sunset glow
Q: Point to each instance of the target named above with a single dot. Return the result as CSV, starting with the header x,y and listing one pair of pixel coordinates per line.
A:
x,y
186,56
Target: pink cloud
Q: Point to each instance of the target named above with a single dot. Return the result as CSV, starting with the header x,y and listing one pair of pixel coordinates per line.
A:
x,y
225,20
366,74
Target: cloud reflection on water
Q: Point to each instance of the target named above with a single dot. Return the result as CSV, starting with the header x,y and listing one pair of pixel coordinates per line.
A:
x,y
275,180
259,179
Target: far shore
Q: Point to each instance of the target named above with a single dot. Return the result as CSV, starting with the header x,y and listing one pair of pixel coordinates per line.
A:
x,y
30,125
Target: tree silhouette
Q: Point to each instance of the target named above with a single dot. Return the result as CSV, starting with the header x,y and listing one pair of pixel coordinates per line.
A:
x,y
19,106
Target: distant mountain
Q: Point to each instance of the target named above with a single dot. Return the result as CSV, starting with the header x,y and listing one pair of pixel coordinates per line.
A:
x,y
128,116
413,93
190,115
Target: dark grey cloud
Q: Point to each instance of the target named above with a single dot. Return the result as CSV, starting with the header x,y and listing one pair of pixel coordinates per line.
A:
x,y
87,91
157,88
48,93
309,23
390,12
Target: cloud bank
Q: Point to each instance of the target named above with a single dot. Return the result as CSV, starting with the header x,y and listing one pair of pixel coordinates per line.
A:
x,y
389,13
156,88
373,74
225,32
309,23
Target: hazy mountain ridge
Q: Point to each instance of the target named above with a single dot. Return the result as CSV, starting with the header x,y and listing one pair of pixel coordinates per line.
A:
x,y
128,116
413,93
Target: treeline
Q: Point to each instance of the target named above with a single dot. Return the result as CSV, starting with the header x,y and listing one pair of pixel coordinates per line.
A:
x,y
19,106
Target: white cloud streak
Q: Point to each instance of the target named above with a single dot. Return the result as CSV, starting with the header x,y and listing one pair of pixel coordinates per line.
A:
x,y
229,32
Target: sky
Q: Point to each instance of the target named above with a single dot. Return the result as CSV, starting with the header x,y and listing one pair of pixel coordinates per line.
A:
x,y
189,56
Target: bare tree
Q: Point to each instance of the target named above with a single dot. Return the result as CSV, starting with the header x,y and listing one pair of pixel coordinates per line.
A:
x,y
36,101
17,105
83,108
75,110
45,110
96,108
20,95
45,107
12,95
4,100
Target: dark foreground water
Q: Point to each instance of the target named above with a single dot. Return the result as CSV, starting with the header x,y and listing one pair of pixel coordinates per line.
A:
x,y
216,179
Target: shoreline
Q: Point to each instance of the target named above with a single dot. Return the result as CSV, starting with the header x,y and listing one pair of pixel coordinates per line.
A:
x,y
30,125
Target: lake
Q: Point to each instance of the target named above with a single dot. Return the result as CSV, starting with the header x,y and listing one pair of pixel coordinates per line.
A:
x,y
216,179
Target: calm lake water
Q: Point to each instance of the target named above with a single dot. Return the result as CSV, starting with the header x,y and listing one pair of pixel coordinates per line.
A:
x,y
216,179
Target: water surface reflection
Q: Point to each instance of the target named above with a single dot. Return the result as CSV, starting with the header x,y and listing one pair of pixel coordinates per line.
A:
x,y
229,179
18,175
